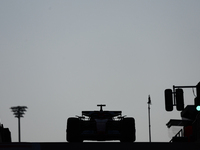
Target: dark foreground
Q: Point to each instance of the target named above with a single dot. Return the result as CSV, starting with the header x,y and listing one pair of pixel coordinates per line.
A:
x,y
100,146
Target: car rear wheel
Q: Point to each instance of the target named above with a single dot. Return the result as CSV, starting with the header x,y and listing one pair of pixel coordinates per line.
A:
x,y
128,130
73,130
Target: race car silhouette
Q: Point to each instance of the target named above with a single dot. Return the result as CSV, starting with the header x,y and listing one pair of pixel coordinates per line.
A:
x,y
100,126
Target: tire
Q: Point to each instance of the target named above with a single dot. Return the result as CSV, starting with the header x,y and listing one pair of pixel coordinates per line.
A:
x,y
73,130
128,130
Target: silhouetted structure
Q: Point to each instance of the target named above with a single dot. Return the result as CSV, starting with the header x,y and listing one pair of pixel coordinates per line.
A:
x,y
5,135
176,97
190,121
18,112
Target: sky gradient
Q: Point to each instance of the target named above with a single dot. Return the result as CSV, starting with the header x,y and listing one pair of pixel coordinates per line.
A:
x,y
61,57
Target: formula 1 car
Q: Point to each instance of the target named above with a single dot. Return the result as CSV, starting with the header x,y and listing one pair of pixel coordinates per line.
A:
x,y
100,126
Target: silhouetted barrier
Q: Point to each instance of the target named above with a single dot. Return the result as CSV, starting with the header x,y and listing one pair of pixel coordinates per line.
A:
x,y
5,135
100,146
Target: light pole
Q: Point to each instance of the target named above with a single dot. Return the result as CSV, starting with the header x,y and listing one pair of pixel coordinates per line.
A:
x,y
149,103
18,112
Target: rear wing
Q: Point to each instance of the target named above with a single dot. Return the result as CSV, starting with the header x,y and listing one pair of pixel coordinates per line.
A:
x,y
110,113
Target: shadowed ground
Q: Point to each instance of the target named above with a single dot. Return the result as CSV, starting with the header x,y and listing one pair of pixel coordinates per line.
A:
x,y
100,146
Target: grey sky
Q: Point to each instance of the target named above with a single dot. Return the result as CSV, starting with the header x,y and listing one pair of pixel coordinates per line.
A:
x,y
61,57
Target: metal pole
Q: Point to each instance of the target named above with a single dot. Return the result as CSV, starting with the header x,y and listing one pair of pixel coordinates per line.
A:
x,y
184,86
149,124
149,103
19,132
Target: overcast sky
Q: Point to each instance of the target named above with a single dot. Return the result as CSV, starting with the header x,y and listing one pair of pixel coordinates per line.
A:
x,y
61,57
